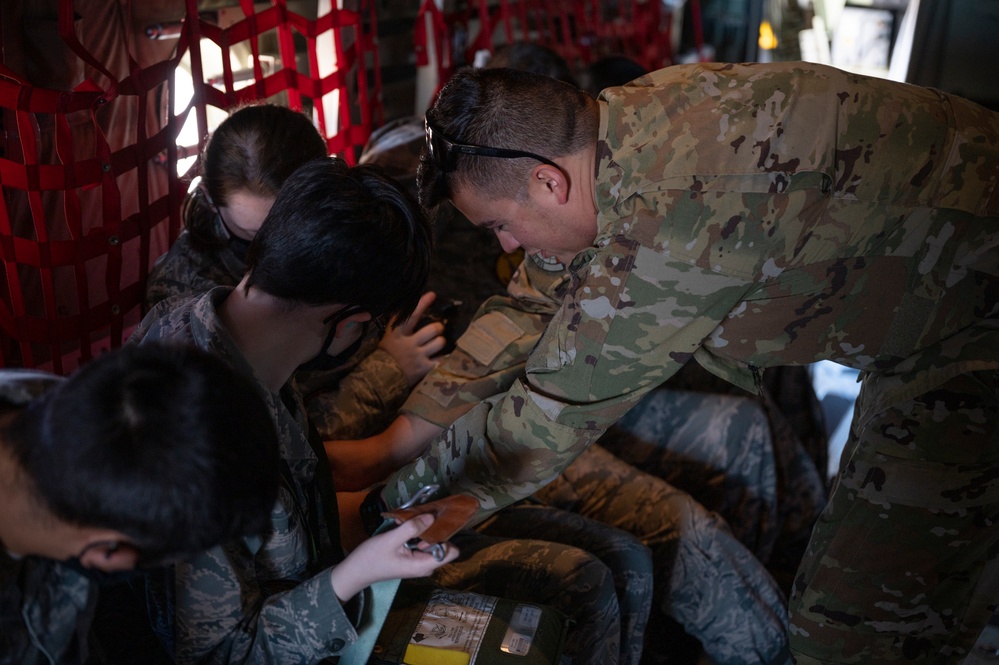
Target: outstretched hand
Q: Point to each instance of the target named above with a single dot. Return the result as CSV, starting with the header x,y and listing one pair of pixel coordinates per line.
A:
x,y
386,557
414,348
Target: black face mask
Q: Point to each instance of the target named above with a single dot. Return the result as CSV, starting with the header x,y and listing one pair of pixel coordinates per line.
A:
x,y
239,247
324,362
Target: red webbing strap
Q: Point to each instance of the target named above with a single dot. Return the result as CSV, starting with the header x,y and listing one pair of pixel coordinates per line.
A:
x,y
371,97
75,242
698,26
484,38
110,200
348,132
439,41
581,31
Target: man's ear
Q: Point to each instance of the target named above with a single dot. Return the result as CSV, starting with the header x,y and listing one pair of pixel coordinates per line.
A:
x,y
552,182
109,556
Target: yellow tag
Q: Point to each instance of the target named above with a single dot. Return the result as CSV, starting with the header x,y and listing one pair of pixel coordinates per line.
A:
x,y
417,654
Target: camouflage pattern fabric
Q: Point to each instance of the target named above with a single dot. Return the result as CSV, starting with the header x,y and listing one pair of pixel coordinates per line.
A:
x,y
752,216
358,399
923,472
705,579
598,576
185,271
268,598
717,447
735,456
45,612
690,546
491,354
46,609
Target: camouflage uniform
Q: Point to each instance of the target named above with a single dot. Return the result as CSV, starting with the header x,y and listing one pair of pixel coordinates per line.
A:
x,y
359,399
269,599
45,608
717,447
757,215
266,599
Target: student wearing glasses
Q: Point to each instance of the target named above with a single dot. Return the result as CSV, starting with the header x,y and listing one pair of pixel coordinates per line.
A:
x,y
243,165
748,216
90,468
286,597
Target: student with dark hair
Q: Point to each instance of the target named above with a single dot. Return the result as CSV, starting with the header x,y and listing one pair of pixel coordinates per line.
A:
x,y
131,462
243,165
750,216
341,246
360,249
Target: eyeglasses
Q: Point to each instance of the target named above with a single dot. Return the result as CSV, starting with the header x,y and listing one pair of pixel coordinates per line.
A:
x,y
445,152
218,212
334,320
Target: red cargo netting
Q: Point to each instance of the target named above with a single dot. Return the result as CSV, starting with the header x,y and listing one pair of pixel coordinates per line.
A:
x,y
581,31
90,127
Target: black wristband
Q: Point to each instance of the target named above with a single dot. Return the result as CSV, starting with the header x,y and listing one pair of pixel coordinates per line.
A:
x,y
371,510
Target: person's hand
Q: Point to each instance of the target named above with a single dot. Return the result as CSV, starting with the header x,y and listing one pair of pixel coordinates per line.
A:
x,y
414,349
386,557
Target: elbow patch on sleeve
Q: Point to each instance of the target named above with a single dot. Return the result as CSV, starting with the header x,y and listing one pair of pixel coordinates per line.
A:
x,y
488,336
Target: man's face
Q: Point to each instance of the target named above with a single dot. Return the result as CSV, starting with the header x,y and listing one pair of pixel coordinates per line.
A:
x,y
538,227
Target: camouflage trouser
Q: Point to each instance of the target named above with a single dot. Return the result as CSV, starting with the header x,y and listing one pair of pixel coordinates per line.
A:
x,y
717,448
704,578
519,554
904,561
627,559
736,456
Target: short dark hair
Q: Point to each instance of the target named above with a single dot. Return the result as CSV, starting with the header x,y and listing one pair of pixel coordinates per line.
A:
x,y
253,150
343,234
164,443
503,108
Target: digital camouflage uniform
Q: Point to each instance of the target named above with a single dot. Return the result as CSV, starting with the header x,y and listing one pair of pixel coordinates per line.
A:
x,y
757,215
266,599
356,400
717,447
271,600
46,609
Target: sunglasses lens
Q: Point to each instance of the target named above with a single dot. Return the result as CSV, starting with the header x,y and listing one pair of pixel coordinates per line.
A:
x,y
440,149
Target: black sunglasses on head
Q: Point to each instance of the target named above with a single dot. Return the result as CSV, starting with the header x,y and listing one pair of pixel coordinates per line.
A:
x,y
445,152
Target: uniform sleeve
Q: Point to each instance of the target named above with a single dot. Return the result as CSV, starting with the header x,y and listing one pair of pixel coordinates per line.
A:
x,y
363,402
186,272
234,605
630,320
493,350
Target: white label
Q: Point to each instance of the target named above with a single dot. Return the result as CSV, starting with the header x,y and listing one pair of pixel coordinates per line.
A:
x,y
520,634
454,620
